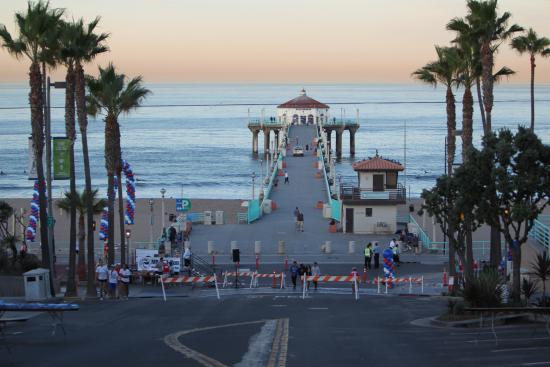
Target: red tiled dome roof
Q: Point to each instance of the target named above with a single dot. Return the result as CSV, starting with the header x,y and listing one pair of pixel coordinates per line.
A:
x,y
377,164
303,101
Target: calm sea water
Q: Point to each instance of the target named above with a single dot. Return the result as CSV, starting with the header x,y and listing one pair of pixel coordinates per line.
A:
x,y
205,152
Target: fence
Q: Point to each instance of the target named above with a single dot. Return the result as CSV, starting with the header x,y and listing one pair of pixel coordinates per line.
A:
x,y
541,233
184,279
354,279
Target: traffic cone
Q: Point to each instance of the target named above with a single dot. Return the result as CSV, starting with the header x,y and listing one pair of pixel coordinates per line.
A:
x,y
444,277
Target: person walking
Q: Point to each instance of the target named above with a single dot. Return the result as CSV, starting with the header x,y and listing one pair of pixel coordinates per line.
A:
x,y
315,271
396,254
308,273
296,212
376,252
101,276
294,271
113,282
124,276
301,222
286,177
368,256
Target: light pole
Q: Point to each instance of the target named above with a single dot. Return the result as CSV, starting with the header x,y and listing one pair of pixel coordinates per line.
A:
x,y
151,203
162,192
253,184
128,233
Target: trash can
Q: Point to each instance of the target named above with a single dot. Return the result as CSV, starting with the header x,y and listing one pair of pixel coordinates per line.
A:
x,y
208,217
37,284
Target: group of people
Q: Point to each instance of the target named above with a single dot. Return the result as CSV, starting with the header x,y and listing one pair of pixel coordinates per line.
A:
x,y
299,219
373,252
113,280
301,270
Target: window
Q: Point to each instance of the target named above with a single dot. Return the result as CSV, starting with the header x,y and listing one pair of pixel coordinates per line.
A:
x,y
368,212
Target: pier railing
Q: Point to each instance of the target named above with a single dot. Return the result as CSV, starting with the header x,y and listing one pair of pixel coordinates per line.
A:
x,y
340,122
350,192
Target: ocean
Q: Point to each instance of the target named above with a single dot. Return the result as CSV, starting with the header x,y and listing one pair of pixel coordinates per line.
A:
x,y
206,151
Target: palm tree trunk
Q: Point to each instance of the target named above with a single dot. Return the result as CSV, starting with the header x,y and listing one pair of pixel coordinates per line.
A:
x,y
112,159
83,124
121,221
533,92
467,121
82,248
487,75
451,129
480,102
70,125
37,124
111,216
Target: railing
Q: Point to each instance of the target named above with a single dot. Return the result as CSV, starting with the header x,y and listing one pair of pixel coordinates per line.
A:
x,y
340,122
541,233
202,266
267,122
357,193
422,236
242,218
322,160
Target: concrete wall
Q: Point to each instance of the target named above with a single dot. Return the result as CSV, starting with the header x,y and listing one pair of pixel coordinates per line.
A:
x,y
367,225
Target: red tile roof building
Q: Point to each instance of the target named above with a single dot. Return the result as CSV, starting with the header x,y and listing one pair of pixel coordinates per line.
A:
x,y
377,163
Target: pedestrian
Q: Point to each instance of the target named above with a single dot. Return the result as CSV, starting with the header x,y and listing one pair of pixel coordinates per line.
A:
x,y
301,222
101,276
165,269
302,272
392,243
308,273
315,271
376,251
286,177
396,254
296,212
307,146
113,282
124,276
368,255
187,257
354,273
294,271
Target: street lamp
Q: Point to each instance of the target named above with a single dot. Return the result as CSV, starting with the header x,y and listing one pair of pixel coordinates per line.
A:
x,y
51,219
151,203
162,192
253,184
127,233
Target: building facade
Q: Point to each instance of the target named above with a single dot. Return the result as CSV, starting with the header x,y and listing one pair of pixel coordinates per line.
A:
x,y
302,110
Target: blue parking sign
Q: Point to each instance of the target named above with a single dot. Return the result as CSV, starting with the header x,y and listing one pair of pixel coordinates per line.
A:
x,y
183,205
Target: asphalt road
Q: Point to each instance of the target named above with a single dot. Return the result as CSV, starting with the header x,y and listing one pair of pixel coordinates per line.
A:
x,y
324,330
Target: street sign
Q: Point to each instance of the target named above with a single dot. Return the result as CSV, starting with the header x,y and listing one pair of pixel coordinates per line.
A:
x,y
183,205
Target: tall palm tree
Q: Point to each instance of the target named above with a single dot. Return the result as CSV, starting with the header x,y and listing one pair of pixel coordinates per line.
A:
x,y
79,200
490,29
532,44
445,71
65,55
35,37
110,94
88,46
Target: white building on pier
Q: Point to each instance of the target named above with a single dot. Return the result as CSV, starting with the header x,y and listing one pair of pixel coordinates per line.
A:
x,y
302,110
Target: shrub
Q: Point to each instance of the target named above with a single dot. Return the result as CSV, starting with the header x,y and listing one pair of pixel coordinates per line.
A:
x,y
528,288
455,307
484,291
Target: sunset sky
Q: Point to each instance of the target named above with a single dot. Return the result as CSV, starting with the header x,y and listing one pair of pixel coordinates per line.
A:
x,y
279,41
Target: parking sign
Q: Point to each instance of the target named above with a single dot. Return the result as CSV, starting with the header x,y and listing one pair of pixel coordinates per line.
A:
x,y
183,205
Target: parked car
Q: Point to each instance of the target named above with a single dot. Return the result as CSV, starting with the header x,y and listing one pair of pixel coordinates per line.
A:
x,y
298,151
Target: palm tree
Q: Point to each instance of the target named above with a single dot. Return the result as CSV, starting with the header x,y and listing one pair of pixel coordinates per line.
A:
x,y
541,268
534,45
87,46
110,94
490,30
65,55
35,28
445,71
79,200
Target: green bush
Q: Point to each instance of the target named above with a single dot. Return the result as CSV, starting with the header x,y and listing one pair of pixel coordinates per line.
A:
x,y
485,290
455,307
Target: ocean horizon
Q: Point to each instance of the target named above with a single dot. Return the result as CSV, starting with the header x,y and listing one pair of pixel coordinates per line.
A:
x,y
192,139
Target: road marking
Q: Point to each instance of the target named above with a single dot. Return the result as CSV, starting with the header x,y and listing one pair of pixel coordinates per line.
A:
x,y
172,341
284,346
318,308
259,346
536,363
276,346
278,305
507,339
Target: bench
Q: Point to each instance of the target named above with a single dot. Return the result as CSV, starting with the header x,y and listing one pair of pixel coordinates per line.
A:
x,y
517,310
54,310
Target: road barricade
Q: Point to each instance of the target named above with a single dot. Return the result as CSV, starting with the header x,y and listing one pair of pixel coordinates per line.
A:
x,y
390,282
354,279
274,276
187,279
238,274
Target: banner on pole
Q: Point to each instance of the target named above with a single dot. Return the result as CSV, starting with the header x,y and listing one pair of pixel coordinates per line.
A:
x,y
61,158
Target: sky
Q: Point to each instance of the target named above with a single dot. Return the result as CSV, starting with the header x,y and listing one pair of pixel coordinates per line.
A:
x,y
305,41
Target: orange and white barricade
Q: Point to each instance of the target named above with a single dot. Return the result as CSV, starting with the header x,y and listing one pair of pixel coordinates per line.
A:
x,y
410,280
187,279
332,278
274,276
238,274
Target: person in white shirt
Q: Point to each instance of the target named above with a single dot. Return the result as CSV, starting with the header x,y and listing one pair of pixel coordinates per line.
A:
x,y
101,276
113,281
315,271
124,277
